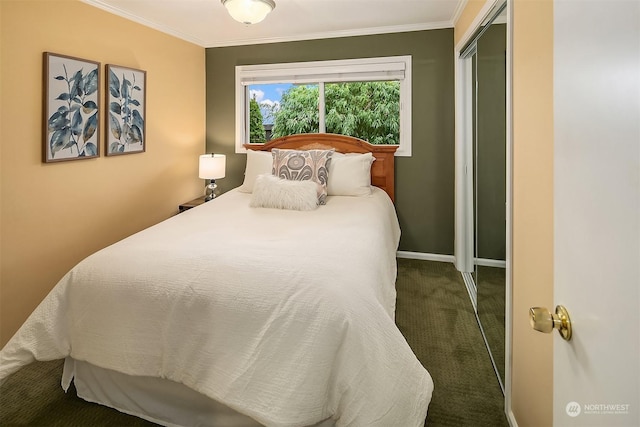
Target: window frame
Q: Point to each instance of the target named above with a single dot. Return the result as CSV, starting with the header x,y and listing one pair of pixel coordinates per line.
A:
x,y
321,72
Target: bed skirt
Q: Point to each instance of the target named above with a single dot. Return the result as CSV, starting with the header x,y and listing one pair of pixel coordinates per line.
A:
x,y
157,400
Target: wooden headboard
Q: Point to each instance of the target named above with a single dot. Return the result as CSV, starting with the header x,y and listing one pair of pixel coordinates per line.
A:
x,y
382,170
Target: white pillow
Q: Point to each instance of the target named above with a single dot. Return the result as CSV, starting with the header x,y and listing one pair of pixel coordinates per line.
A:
x,y
350,175
272,192
258,163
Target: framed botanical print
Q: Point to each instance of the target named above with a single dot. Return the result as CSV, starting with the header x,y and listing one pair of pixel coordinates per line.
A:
x,y
126,101
71,110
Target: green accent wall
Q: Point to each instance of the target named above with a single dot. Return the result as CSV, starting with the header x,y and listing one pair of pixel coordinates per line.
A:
x,y
425,181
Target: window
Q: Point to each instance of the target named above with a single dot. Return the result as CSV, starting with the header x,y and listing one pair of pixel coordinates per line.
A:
x,y
366,98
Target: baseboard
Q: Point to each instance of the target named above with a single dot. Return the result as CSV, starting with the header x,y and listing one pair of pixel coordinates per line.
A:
x,y
426,257
485,262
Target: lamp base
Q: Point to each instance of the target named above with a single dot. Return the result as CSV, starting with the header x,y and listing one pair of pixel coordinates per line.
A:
x,y
210,191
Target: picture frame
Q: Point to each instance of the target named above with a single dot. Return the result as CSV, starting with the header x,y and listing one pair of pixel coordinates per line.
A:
x,y
126,110
71,108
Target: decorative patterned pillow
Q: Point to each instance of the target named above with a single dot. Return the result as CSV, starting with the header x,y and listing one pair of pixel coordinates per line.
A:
x,y
304,165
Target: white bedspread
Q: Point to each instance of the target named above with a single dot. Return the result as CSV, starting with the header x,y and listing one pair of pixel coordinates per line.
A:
x,y
285,316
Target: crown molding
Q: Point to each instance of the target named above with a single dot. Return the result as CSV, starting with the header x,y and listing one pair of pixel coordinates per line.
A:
x,y
264,40
135,18
458,11
336,34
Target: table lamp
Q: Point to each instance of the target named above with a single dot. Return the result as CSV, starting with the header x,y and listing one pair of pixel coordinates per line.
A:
x,y
212,167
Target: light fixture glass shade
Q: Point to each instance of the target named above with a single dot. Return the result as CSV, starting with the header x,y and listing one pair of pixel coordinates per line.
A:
x,y
249,11
212,166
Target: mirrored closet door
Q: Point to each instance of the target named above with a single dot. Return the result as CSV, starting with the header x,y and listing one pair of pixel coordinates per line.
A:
x,y
485,87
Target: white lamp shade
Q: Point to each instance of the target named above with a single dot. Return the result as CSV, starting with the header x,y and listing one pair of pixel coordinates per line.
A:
x,y
212,166
249,11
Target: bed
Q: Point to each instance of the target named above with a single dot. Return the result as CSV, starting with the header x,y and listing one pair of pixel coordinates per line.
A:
x,y
231,314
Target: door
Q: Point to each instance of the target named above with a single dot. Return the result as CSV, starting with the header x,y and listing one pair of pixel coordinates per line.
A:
x,y
597,211
490,188
481,169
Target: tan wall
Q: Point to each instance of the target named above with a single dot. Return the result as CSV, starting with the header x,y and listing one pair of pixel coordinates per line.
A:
x,y
532,258
471,10
53,215
532,385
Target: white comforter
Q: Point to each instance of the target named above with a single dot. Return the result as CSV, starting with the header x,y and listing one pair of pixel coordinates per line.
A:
x,y
284,316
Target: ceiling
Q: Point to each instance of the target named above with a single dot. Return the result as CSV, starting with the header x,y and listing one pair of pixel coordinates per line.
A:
x,y
207,23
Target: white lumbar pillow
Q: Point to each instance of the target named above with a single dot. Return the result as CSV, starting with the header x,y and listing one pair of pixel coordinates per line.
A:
x,y
258,163
272,192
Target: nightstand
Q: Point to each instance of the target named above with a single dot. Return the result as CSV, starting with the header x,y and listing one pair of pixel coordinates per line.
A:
x,y
192,204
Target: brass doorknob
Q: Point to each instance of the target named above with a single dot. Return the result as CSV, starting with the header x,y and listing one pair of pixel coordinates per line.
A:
x,y
543,320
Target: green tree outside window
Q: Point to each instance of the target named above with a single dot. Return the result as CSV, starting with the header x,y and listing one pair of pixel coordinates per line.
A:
x,y
366,110
257,134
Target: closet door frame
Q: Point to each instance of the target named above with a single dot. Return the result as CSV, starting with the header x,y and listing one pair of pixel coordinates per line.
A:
x,y
464,241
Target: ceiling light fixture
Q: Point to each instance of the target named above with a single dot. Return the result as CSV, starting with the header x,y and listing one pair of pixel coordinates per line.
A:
x,y
249,11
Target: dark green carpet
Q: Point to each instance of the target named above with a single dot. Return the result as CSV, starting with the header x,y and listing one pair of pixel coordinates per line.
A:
x,y
33,397
433,312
